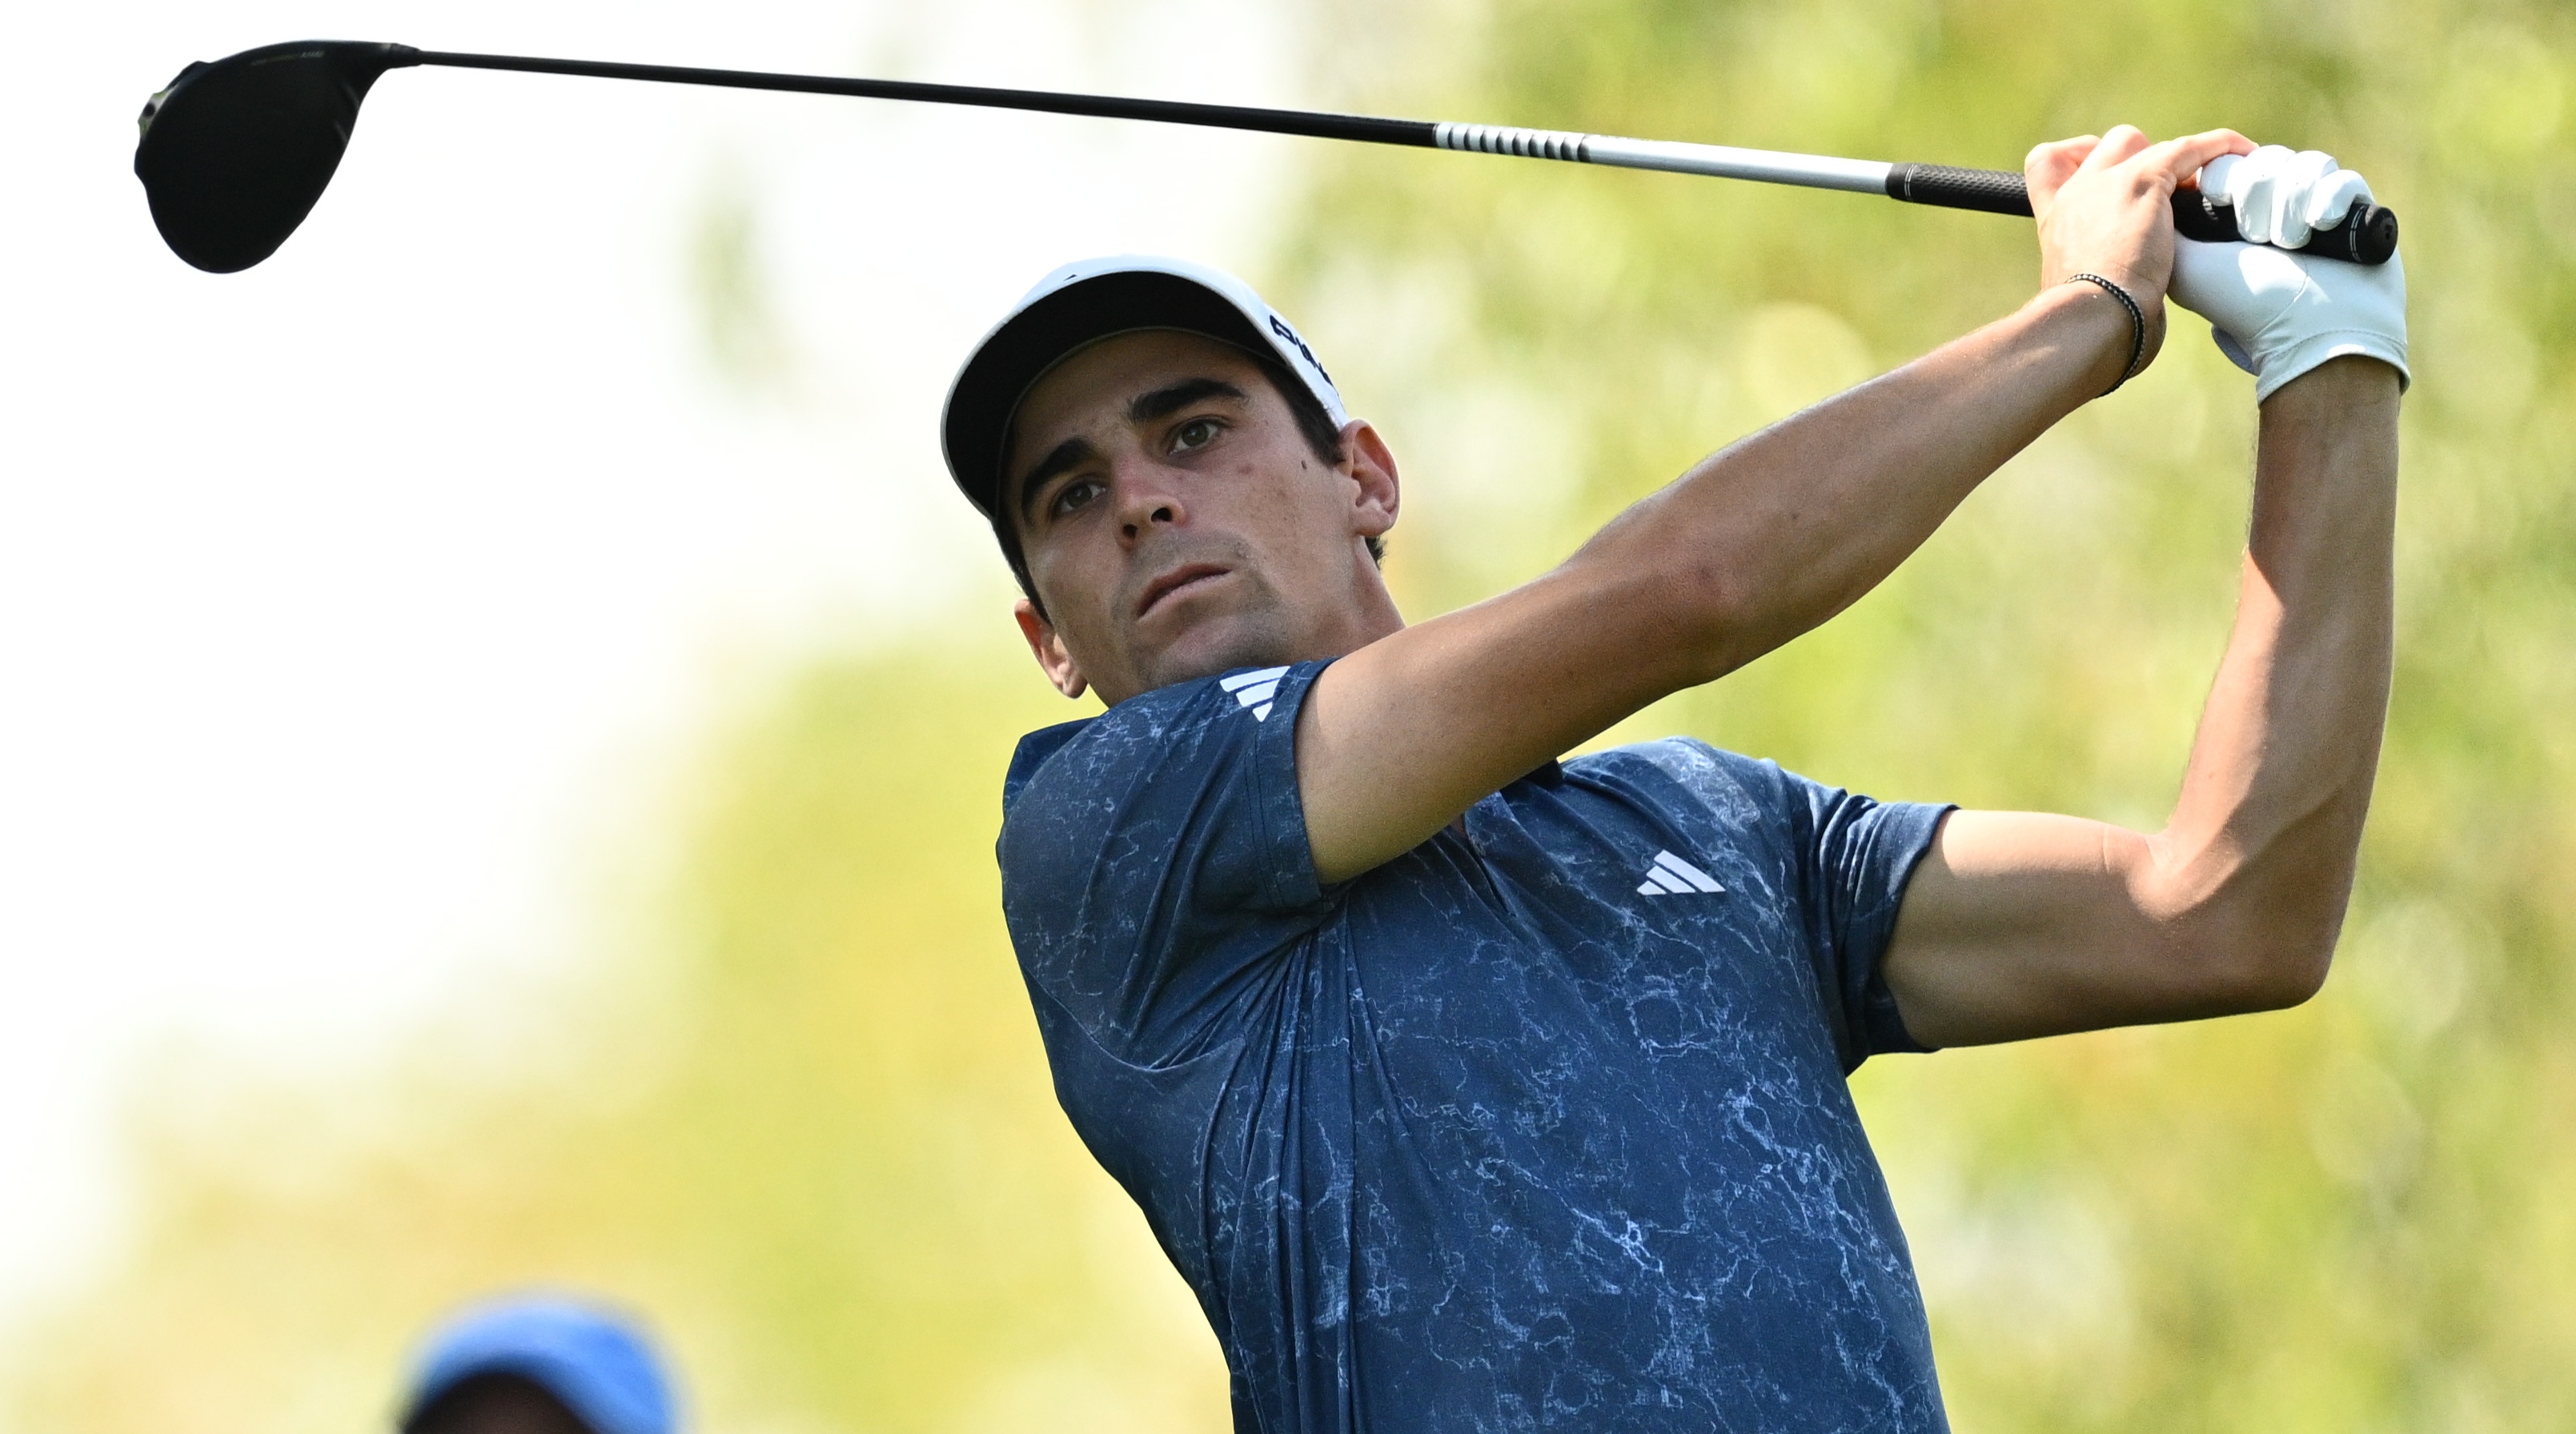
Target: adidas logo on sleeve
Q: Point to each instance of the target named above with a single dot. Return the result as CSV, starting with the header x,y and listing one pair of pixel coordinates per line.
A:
x,y
1672,876
1255,689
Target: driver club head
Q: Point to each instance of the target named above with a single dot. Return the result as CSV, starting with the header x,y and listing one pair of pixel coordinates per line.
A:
x,y
234,153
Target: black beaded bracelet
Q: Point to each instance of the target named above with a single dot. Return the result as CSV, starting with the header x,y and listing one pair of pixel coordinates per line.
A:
x,y
2137,326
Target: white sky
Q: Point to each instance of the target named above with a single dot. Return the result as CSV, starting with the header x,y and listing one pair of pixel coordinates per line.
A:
x,y
336,596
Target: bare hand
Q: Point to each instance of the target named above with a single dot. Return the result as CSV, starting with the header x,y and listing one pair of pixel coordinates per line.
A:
x,y
2105,207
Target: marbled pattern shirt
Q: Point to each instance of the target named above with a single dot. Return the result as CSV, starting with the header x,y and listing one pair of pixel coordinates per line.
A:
x,y
1542,1125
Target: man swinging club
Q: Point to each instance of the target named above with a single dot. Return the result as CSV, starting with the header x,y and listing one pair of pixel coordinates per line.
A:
x,y
1472,1091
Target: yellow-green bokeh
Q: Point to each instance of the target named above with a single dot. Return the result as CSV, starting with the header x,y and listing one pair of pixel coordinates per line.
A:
x,y
800,1117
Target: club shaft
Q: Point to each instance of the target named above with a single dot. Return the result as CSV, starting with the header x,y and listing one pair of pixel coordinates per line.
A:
x,y
1299,122
2367,235
1765,166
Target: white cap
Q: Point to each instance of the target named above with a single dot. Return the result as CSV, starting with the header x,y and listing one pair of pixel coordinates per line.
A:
x,y
1081,304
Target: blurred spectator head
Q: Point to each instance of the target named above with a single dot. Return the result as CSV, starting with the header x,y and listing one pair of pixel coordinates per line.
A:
x,y
538,1364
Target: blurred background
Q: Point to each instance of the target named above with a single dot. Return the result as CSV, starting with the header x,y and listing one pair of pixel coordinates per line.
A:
x,y
501,716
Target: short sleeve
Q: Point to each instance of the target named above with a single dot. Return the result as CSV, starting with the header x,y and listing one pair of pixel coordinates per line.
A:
x,y
1155,862
1856,856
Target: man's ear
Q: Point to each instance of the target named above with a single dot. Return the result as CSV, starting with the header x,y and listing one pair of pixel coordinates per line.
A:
x,y
1371,464
1048,649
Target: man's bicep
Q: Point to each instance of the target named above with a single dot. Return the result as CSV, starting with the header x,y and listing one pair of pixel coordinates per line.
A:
x,y
2022,924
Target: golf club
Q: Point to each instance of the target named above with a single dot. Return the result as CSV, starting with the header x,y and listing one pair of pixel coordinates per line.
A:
x,y
235,153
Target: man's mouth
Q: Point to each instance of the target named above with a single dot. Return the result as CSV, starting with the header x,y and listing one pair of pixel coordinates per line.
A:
x,y
1179,580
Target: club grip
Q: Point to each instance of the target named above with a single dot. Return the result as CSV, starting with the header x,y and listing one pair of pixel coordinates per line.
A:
x,y
1993,191
2367,235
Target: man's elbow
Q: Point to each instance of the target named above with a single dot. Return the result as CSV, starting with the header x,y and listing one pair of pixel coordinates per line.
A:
x,y
1687,613
2281,978
2261,931
2268,961
1725,617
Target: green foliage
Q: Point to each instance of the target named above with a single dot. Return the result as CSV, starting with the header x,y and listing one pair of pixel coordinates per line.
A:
x,y
2344,1217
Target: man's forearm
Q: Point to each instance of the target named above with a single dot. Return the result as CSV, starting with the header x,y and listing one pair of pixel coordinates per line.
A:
x,y
1781,531
2263,841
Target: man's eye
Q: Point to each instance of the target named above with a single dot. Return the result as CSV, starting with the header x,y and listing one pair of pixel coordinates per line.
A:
x,y
1197,433
1075,496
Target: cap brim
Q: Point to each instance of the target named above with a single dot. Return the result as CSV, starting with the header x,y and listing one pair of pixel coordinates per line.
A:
x,y
1017,354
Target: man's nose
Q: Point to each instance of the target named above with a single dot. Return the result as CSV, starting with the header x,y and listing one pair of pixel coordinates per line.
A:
x,y
1146,498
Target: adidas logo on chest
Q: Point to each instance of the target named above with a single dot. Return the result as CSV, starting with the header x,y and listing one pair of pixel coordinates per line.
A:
x,y
1669,875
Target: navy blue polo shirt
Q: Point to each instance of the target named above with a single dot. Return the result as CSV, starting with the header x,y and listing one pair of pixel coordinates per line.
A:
x,y
1540,1125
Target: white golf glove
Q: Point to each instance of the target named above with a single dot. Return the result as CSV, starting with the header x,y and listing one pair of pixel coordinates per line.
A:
x,y
2278,314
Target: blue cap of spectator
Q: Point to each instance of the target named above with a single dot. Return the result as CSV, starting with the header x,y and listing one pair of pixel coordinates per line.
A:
x,y
596,1364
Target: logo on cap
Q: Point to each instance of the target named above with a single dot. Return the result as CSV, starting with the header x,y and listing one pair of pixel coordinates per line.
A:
x,y
1280,327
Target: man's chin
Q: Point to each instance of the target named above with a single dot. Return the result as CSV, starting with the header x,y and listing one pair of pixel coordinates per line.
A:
x,y
1219,645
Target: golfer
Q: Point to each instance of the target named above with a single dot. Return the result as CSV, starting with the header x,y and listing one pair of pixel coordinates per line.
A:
x,y
1475,1090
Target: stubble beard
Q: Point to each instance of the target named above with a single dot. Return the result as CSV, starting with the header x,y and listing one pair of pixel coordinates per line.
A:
x,y
1253,629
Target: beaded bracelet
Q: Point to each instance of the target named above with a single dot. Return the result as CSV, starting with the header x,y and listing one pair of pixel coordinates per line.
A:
x,y
2137,326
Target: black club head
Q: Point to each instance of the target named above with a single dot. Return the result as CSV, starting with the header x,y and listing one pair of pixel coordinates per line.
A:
x,y
234,153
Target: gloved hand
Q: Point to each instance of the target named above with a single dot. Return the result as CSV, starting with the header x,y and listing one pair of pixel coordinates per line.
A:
x,y
2280,196
2276,313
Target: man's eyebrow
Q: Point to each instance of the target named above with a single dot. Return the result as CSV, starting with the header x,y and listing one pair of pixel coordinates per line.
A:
x,y
1163,402
1144,408
1071,453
